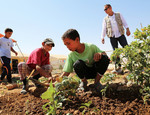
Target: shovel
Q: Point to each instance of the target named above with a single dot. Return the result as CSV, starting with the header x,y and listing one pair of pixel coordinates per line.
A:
x,y
36,81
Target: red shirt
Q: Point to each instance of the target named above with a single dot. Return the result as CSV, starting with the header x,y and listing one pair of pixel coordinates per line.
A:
x,y
38,57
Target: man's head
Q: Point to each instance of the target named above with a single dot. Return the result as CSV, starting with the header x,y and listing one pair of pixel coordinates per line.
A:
x,y
8,32
71,39
48,44
108,9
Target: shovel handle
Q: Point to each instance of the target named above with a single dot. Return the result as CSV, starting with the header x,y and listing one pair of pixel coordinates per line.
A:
x,y
31,73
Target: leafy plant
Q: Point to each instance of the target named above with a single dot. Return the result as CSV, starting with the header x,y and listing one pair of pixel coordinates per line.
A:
x,y
108,77
136,57
54,101
85,106
146,93
58,94
27,107
19,82
104,90
68,86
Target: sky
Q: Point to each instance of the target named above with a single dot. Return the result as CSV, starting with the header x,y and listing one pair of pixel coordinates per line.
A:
x,y
34,20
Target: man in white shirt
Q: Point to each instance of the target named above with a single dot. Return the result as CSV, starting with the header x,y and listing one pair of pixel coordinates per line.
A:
x,y
6,45
113,26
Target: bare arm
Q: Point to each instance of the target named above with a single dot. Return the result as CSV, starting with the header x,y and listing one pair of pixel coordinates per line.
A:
x,y
64,74
42,71
14,51
98,56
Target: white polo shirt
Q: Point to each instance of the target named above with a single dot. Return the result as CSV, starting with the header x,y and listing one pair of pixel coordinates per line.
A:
x,y
5,47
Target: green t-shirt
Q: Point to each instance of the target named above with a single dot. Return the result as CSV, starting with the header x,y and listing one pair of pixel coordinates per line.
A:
x,y
87,56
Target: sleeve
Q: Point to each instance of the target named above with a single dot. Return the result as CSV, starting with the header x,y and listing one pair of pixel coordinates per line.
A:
x,y
68,67
103,34
123,21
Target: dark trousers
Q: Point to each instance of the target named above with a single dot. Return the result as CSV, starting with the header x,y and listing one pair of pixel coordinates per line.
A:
x,y
34,77
6,69
83,71
37,76
114,42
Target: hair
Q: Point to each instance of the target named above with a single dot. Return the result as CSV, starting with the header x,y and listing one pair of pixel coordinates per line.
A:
x,y
71,34
8,30
108,5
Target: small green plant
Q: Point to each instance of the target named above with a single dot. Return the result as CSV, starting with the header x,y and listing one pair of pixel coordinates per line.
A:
x,y
108,77
86,107
43,79
104,90
27,107
68,86
19,82
58,94
54,101
146,93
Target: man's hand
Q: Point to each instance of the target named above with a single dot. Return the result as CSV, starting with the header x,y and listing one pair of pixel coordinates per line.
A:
x,y
103,41
128,32
97,56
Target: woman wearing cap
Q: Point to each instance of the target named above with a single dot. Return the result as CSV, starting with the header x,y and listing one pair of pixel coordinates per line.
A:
x,y
38,61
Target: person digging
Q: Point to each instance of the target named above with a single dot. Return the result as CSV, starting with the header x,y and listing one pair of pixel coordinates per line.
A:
x,y
38,61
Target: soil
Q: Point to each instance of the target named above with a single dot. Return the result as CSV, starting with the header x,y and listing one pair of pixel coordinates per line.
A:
x,y
119,100
126,101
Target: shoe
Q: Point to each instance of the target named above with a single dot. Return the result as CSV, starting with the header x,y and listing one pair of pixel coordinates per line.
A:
x,y
114,71
82,86
118,71
98,86
25,88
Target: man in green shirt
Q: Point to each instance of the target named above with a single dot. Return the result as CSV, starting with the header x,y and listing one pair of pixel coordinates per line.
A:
x,y
87,60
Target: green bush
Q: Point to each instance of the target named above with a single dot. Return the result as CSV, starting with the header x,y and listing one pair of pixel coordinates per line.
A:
x,y
136,57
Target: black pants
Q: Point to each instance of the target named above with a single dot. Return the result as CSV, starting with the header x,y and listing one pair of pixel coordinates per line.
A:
x,y
83,71
6,69
37,76
114,42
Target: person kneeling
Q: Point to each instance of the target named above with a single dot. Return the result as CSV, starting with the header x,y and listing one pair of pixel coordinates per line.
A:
x,y
87,60
38,60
